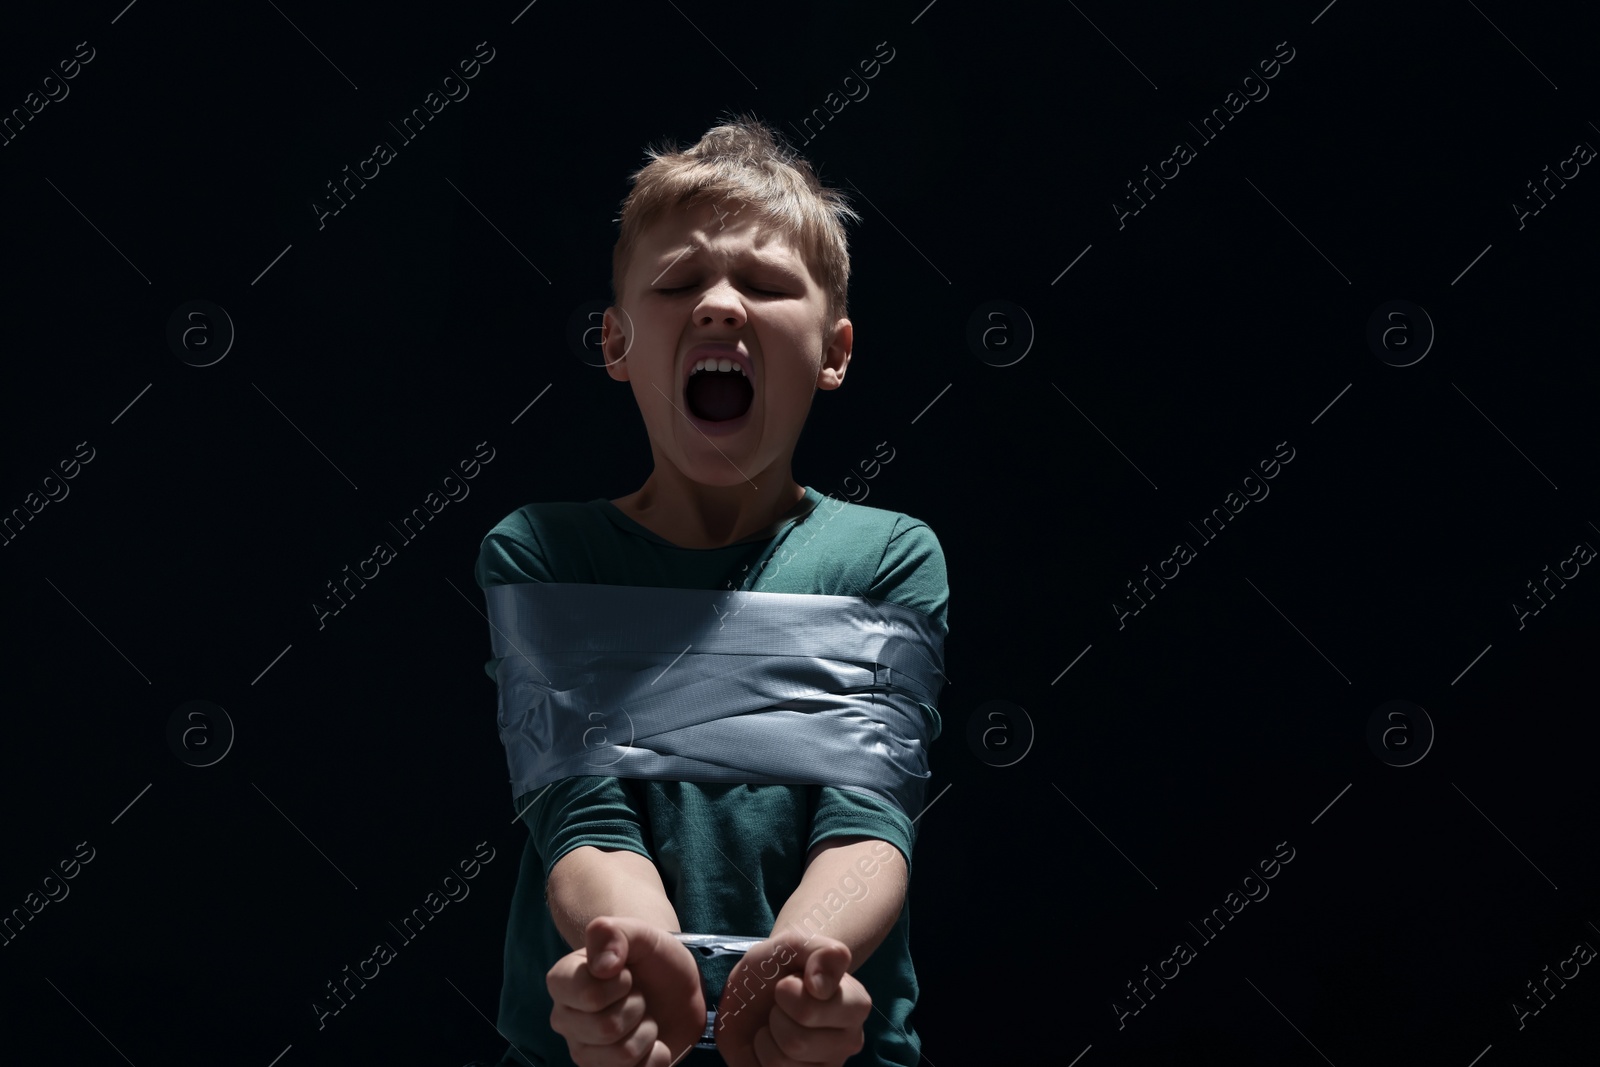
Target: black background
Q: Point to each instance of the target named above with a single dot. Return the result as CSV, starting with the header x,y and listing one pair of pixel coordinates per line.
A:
x,y
1227,316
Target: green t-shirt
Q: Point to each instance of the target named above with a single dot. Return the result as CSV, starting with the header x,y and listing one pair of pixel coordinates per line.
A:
x,y
729,855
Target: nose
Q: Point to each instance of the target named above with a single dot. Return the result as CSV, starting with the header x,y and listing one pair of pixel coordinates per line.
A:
x,y
720,303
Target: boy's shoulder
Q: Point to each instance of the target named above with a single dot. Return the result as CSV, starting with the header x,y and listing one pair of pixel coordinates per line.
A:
x,y
885,525
542,515
514,549
907,565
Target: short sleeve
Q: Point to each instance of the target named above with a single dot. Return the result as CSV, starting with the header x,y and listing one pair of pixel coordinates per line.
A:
x,y
846,813
911,574
510,553
588,810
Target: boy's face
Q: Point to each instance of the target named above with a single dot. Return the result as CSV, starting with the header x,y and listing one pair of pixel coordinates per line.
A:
x,y
732,280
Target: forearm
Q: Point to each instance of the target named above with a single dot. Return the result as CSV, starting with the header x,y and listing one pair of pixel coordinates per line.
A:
x,y
853,891
588,882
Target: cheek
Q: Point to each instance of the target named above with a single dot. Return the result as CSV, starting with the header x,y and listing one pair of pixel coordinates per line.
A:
x,y
793,391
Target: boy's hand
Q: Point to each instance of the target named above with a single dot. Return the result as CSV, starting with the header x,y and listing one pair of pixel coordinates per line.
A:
x,y
792,1003
629,998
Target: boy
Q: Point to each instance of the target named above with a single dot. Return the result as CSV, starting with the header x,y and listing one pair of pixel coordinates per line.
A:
x,y
732,267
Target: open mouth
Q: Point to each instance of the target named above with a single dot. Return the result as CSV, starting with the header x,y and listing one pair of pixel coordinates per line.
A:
x,y
716,395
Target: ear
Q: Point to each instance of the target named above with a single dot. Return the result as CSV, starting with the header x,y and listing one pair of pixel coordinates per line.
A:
x,y
614,343
836,355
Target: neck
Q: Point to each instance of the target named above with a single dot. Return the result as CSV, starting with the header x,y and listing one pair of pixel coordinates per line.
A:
x,y
692,515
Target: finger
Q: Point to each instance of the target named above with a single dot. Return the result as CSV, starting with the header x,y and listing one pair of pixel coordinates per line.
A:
x,y
848,1007
661,1056
768,1054
635,1048
811,1044
825,968
613,1026
607,946
571,984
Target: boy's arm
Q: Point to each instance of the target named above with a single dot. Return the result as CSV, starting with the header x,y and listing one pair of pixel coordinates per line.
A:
x,y
863,922
816,1009
589,882
628,989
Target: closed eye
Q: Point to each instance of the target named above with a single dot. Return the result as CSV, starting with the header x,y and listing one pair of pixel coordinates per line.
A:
x,y
686,288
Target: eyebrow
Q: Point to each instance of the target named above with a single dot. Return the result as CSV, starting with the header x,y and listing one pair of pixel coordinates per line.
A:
x,y
691,248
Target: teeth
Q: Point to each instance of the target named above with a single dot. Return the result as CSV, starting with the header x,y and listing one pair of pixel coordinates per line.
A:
x,y
717,364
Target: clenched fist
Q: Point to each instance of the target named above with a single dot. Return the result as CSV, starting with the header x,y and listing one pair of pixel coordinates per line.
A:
x,y
792,1002
629,998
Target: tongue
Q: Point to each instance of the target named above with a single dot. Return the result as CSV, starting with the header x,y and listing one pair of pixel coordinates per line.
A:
x,y
717,396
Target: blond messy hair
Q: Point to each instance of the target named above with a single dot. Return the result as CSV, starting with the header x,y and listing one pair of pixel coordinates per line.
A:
x,y
744,162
